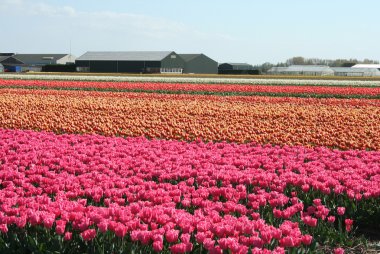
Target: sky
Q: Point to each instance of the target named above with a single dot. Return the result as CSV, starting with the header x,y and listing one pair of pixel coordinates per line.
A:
x,y
247,31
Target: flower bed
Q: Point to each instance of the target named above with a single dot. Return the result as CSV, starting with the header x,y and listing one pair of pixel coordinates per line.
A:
x,y
85,192
268,181
274,90
257,81
344,124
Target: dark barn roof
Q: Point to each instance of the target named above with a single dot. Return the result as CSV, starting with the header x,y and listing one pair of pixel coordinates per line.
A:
x,y
2,58
10,60
39,58
124,56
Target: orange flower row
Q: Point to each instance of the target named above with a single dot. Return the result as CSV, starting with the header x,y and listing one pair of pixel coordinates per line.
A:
x,y
345,124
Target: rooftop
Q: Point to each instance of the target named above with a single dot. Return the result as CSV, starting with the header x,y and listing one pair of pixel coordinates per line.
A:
x,y
39,58
2,58
124,55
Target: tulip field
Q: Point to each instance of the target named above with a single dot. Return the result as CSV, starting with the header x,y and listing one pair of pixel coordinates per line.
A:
x,y
97,165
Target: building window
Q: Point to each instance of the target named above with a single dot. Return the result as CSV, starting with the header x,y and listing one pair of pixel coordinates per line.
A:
x,y
171,70
83,69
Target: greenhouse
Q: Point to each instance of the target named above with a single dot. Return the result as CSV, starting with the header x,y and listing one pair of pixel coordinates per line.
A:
x,y
372,66
306,70
356,72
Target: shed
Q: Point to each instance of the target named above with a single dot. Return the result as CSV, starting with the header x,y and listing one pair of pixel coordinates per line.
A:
x,y
199,63
235,66
131,62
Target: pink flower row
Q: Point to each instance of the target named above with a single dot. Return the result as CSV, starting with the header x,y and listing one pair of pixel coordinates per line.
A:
x,y
347,90
175,192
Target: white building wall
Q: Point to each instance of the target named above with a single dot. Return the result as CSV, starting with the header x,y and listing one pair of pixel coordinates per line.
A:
x,y
67,59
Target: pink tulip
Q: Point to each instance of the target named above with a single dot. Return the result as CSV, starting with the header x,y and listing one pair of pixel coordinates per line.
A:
x,y
68,236
307,239
338,251
287,241
331,219
120,230
178,248
88,234
348,224
60,227
209,244
341,210
158,246
317,202
185,238
308,220
172,236
103,226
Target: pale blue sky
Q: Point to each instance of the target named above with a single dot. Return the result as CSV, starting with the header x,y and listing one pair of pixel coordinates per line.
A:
x,y
228,31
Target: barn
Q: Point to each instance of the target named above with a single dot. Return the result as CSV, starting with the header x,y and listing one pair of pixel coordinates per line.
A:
x,y
131,62
199,63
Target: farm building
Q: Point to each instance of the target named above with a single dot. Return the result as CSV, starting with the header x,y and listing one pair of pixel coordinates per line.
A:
x,y
306,70
131,62
236,68
356,72
10,63
35,62
199,63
